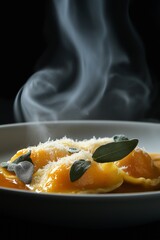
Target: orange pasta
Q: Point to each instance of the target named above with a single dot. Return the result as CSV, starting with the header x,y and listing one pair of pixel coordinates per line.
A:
x,y
96,165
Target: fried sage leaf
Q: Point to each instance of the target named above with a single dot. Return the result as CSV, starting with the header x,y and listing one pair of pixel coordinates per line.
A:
x,y
4,164
114,151
22,166
73,150
120,137
78,168
24,157
24,171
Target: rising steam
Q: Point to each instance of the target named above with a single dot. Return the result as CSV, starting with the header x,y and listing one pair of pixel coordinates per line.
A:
x,y
97,71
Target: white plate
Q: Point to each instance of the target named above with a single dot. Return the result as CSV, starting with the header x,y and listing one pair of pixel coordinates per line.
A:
x,y
96,210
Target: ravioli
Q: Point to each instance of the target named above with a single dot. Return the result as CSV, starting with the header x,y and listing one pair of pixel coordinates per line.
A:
x,y
55,176
70,166
139,168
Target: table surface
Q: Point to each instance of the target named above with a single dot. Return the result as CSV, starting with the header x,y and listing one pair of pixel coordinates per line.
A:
x,y
13,226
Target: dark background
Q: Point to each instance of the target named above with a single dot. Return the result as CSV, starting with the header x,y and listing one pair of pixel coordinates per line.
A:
x,y
23,42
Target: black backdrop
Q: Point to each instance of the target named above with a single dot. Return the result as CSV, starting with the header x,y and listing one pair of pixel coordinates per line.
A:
x,y
22,42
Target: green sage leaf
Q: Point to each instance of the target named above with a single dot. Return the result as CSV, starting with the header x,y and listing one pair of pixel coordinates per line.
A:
x,y
78,168
120,137
24,157
24,171
114,151
22,166
73,150
11,167
4,164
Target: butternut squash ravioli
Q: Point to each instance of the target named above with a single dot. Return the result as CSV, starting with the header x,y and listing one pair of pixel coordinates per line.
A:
x,y
96,165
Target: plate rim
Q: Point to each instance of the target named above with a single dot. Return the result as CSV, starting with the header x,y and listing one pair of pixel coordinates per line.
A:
x,y
94,121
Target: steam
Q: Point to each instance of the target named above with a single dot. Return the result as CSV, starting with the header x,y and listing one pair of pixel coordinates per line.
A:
x,y
98,69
